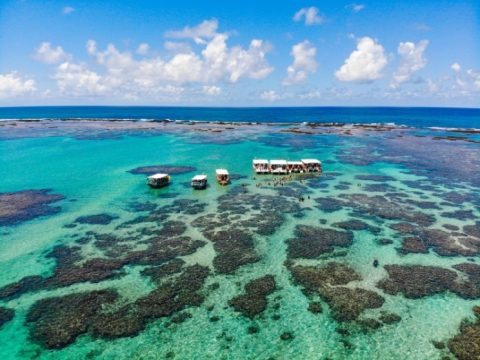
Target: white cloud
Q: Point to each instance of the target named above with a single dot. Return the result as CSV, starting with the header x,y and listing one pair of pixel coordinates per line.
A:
x,y
120,72
211,90
411,60
270,95
365,64
50,55
143,49
177,47
357,7
13,85
310,14
68,10
91,47
78,80
303,63
456,67
475,77
207,29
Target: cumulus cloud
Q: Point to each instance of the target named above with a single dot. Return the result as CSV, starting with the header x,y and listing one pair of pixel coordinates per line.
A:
x,y
50,55
456,67
211,90
310,15
122,72
412,59
303,63
207,29
270,95
357,7
365,64
143,49
68,10
475,78
13,85
77,79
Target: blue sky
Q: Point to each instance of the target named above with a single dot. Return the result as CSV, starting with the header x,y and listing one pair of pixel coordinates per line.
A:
x,y
248,53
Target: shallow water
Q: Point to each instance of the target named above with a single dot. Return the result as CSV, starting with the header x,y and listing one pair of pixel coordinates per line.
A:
x,y
92,175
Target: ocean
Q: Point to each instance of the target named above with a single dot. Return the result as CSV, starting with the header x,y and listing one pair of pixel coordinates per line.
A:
x,y
376,258
417,117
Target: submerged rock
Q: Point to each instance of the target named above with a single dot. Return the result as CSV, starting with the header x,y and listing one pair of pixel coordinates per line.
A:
x,y
348,303
310,242
20,206
254,301
416,281
56,322
6,315
466,344
98,219
333,273
167,169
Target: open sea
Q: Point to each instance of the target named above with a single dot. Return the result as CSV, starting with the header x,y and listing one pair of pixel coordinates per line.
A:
x,y
376,258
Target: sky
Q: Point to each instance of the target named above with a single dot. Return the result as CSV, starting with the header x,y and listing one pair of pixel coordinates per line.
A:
x,y
240,53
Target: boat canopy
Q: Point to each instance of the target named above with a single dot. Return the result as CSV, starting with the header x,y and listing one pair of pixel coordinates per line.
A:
x,y
158,176
199,178
260,162
295,163
278,162
221,172
311,161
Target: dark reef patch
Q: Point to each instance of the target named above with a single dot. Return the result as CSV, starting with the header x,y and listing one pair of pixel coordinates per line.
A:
x,y
373,177
466,344
417,281
6,315
167,169
20,206
329,204
56,322
355,225
310,242
98,219
254,301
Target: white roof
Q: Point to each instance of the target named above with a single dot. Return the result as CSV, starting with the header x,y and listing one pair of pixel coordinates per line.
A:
x,y
157,176
221,172
310,161
295,163
199,178
260,161
278,162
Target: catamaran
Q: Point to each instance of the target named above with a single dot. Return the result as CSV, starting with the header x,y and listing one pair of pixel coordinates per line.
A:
x,y
278,166
312,165
261,166
199,182
222,176
158,180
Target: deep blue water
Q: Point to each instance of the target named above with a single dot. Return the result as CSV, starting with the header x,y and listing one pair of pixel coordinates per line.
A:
x,y
418,117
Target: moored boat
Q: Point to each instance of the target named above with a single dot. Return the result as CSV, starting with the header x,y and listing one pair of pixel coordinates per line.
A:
x,y
295,167
278,166
312,165
223,177
158,180
199,182
261,166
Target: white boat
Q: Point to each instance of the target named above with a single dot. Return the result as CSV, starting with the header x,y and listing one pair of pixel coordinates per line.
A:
x,y
199,182
261,166
278,166
222,176
295,167
312,165
158,180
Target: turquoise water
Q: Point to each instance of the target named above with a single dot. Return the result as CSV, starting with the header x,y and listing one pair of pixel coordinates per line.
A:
x,y
93,177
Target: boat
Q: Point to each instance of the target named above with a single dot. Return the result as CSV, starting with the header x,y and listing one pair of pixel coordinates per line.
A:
x,y
199,182
295,167
312,165
222,176
261,166
278,166
158,180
